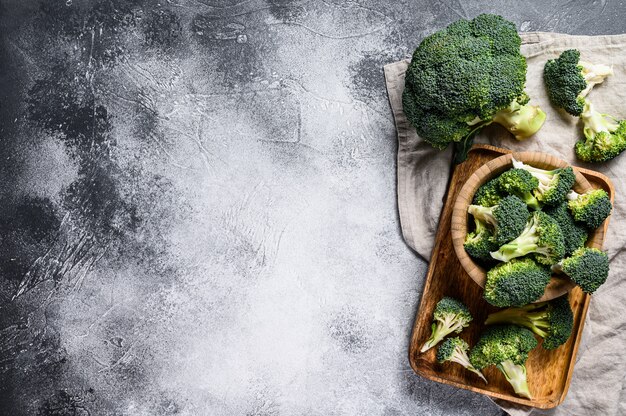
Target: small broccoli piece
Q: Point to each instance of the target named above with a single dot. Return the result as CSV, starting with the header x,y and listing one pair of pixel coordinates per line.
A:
x,y
553,184
450,316
574,235
569,80
488,194
521,183
553,320
542,237
516,283
455,350
590,208
605,136
587,267
506,347
465,77
479,243
507,219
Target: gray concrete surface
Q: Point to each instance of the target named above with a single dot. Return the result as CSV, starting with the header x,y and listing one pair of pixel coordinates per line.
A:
x,y
198,205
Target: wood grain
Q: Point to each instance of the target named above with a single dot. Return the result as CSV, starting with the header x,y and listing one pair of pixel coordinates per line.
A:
x,y
549,372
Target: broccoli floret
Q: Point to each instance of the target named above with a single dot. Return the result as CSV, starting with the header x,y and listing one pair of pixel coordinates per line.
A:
x,y
587,267
590,208
465,77
605,136
450,316
542,237
488,194
574,234
569,80
455,350
506,347
479,243
521,183
507,219
553,184
516,283
553,320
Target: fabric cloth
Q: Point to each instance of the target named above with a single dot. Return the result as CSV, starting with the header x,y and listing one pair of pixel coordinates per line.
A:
x,y
599,377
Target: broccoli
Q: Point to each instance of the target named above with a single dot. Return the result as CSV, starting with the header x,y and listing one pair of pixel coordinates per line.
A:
x,y
590,208
569,80
455,350
488,194
516,283
542,237
553,320
553,184
479,243
465,77
521,183
574,234
587,267
507,219
506,347
450,316
605,136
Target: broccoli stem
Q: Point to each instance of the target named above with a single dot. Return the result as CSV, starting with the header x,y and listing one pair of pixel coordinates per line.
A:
x,y
516,375
460,357
593,74
521,246
484,214
440,329
595,122
535,321
521,120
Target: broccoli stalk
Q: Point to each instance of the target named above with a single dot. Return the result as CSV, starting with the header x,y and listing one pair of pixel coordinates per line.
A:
x,y
507,219
593,74
521,120
542,236
590,208
553,184
455,350
449,316
605,136
587,267
553,320
515,374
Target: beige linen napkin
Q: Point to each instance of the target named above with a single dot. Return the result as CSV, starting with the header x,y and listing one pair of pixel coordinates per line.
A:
x,y
597,386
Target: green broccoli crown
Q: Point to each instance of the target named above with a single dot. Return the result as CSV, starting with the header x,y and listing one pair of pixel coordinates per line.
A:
x,y
542,237
507,219
552,320
587,267
460,77
500,343
479,243
521,183
450,316
553,184
590,208
488,194
450,347
605,137
564,81
574,235
516,282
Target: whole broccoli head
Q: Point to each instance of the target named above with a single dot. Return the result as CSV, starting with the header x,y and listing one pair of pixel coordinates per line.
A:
x,y
489,194
569,80
574,235
553,184
605,136
455,350
553,320
590,208
516,282
507,219
506,347
449,316
479,243
465,77
521,183
542,237
587,267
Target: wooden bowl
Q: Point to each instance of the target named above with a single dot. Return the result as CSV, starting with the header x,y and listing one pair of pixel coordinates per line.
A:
x,y
559,284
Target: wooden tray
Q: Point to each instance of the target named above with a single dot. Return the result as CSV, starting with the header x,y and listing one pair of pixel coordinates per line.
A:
x,y
549,372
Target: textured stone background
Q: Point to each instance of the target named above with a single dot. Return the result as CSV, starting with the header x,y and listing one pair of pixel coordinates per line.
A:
x,y
198,205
